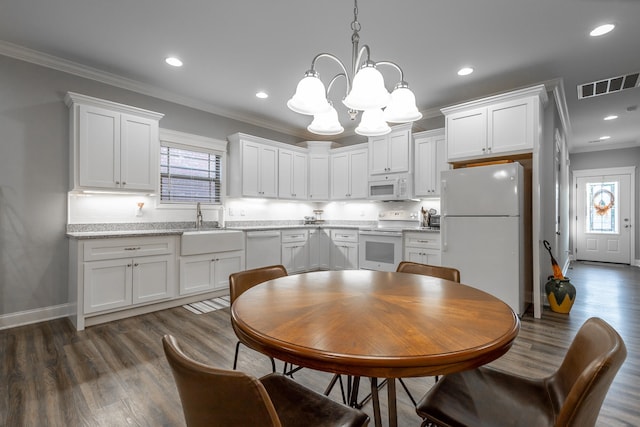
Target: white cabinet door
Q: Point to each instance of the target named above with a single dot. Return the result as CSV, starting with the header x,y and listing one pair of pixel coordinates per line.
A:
x,y
467,133
259,170
378,155
139,153
295,257
510,126
430,160
349,175
99,147
344,256
208,272
115,150
318,177
399,149
269,171
425,155
197,273
390,153
107,284
340,176
292,175
226,264
153,278
358,175
423,256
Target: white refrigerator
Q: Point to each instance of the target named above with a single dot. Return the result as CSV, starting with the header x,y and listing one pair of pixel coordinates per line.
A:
x,y
482,229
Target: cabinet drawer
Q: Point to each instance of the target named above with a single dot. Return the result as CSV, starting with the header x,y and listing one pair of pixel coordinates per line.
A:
x,y
102,249
423,240
289,236
344,235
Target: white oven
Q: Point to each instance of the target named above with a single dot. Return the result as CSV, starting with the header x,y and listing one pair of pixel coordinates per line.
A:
x,y
380,250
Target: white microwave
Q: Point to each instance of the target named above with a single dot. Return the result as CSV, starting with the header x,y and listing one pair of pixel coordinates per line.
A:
x,y
390,187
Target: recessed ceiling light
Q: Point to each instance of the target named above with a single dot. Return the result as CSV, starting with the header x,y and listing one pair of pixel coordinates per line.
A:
x,y
611,117
262,94
602,138
601,30
465,71
173,61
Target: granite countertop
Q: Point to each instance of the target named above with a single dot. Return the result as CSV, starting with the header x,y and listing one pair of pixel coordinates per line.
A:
x,y
97,231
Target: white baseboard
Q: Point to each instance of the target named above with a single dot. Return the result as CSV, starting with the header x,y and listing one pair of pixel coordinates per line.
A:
x,y
28,317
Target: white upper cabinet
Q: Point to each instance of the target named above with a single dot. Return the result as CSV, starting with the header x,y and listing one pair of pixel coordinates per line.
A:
x,y
507,124
391,153
113,146
292,174
430,159
318,177
252,167
349,173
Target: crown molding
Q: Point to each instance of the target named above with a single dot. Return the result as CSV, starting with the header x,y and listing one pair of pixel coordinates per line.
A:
x,y
49,61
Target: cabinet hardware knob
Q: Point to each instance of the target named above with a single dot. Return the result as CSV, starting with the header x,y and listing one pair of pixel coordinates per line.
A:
x,y
124,183
128,265
136,264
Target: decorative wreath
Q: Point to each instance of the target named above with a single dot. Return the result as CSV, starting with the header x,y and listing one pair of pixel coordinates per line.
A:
x,y
599,205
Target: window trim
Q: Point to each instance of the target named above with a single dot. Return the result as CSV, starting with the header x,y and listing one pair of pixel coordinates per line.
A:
x,y
186,141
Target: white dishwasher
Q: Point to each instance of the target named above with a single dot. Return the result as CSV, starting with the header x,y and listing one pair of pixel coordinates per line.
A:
x,y
263,248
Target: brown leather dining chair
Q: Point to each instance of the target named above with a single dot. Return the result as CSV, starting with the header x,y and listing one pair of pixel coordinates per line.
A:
x,y
217,397
570,397
244,280
447,273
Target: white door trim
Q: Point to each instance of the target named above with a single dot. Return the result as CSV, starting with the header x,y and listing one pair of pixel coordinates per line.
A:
x,y
629,170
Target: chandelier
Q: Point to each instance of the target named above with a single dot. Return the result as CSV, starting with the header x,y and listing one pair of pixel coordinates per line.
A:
x,y
365,91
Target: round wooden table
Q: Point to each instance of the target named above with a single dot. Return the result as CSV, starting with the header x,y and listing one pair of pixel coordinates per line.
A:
x,y
374,324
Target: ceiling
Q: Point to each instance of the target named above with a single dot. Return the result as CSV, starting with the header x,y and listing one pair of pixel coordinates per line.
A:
x,y
232,49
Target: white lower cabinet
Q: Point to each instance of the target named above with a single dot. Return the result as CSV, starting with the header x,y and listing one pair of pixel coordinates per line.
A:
x,y
344,249
319,249
423,248
295,251
114,274
208,272
123,282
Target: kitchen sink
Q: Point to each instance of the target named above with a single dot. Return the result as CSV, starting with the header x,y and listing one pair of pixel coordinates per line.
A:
x,y
209,241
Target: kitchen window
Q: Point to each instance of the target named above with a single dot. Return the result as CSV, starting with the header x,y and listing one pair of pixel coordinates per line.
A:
x,y
190,174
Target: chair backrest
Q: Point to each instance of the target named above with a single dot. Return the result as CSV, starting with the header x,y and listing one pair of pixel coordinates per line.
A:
x,y
581,383
216,397
446,273
241,281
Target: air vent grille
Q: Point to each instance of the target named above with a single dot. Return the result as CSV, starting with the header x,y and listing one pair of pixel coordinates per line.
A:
x,y
603,87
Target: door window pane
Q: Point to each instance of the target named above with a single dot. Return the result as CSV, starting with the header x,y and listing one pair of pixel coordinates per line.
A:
x,y
602,212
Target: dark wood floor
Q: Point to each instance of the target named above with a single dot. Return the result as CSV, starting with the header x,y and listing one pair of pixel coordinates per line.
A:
x,y
116,374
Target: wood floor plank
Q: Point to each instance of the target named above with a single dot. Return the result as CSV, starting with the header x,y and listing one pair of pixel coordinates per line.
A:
x,y
115,374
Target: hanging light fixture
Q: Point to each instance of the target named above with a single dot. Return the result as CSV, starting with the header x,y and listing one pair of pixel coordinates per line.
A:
x,y
365,91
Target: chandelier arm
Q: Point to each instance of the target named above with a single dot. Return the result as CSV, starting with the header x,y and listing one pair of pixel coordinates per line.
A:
x,y
397,67
336,77
357,58
336,59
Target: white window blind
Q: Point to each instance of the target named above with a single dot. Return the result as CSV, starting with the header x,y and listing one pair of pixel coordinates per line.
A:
x,y
189,175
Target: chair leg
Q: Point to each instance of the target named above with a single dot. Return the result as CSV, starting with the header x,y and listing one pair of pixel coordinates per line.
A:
x,y
376,402
235,359
332,383
404,386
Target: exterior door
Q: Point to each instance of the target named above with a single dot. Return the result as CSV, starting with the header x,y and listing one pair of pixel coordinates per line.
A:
x,y
603,216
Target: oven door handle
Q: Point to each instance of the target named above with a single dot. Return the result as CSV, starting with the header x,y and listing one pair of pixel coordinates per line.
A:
x,y
381,233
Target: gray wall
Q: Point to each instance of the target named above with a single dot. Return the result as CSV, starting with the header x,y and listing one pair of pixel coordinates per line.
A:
x,y
626,157
34,177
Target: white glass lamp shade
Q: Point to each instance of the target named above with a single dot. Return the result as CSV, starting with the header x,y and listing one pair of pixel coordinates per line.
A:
x,y
402,108
367,91
372,124
310,97
326,123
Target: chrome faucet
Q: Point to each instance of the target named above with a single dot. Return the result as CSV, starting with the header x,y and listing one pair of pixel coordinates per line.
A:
x,y
198,216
